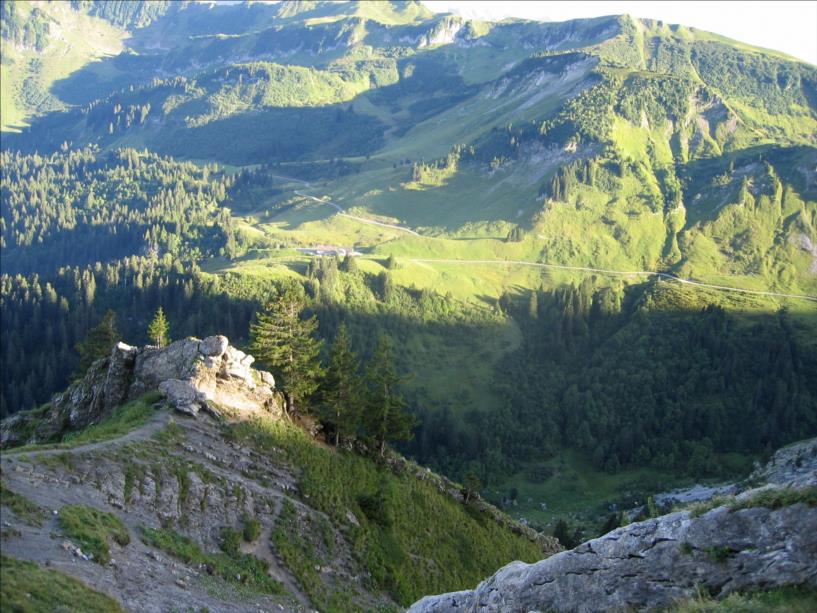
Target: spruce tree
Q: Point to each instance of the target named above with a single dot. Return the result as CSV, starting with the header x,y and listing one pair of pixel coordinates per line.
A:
x,y
97,342
471,486
285,342
385,417
159,329
342,387
349,264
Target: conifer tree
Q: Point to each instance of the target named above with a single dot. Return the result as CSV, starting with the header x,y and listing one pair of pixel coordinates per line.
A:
x,y
471,485
286,343
342,387
349,264
98,342
159,329
385,417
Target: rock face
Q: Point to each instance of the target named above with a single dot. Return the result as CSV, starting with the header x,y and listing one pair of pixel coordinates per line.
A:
x,y
793,465
191,374
649,565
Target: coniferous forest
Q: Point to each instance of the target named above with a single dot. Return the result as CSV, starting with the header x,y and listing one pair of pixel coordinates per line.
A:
x,y
200,176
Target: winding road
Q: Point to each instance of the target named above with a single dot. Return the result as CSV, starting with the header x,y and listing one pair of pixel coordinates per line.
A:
x,y
343,213
648,273
604,271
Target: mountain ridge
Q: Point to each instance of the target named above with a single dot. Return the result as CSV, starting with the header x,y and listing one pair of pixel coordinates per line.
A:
x,y
183,483
469,190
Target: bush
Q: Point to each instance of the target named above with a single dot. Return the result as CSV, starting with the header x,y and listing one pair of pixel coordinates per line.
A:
x,y
252,528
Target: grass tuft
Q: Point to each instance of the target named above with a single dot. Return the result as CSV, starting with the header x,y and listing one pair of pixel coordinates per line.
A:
x,y
789,599
230,564
92,529
27,588
30,513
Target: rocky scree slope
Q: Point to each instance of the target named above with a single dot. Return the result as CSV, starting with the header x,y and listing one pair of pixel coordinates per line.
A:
x,y
765,537
219,497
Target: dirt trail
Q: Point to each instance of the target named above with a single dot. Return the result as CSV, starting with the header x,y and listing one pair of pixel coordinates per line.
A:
x,y
604,271
156,423
52,484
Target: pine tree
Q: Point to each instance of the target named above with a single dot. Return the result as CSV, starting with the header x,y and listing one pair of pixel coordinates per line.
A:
x,y
159,329
342,387
385,418
97,342
286,343
561,532
471,486
349,264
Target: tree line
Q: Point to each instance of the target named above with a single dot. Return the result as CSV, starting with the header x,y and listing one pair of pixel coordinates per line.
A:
x,y
81,206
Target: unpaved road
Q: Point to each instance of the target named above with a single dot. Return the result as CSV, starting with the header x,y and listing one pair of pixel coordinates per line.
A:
x,y
623,273
604,271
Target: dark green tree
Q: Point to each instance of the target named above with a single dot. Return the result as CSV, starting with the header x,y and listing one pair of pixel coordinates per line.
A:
x,y
614,520
286,342
349,264
342,387
97,342
471,486
561,532
159,329
385,417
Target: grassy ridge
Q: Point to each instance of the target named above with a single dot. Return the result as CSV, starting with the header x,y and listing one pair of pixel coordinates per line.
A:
x,y
93,529
454,548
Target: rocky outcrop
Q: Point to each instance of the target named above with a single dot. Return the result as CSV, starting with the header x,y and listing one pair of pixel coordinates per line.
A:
x,y
794,465
650,564
191,374
653,563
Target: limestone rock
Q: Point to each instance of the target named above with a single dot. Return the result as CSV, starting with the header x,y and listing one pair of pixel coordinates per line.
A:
x,y
650,564
267,378
12,431
182,396
157,364
214,346
118,377
191,373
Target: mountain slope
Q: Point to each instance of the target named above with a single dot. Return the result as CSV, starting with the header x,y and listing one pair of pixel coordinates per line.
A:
x,y
595,242
237,507
763,538
41,43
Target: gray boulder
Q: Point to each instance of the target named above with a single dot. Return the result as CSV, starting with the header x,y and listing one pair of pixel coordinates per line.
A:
x,y
214,346
651,564
182,396
267,378
156,364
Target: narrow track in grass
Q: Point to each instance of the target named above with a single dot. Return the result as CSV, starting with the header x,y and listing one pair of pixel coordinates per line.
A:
x,y
622,273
